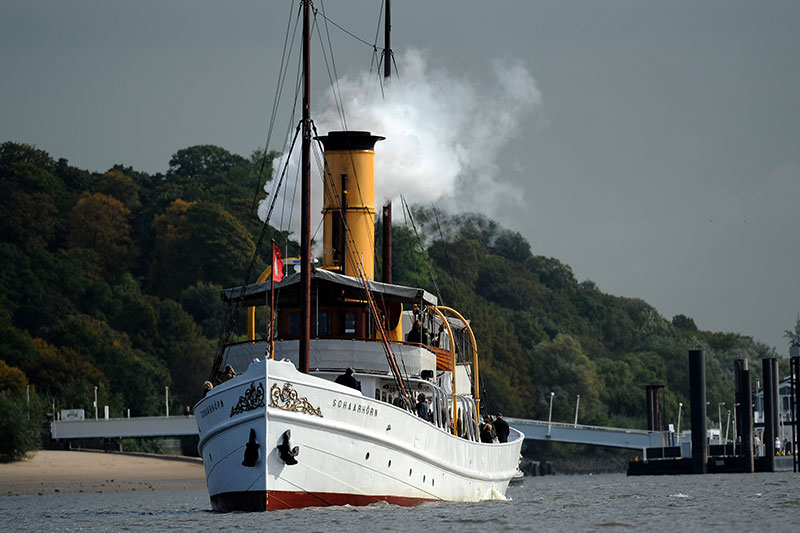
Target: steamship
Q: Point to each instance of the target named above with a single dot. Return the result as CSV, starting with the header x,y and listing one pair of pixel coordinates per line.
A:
x,y
284,434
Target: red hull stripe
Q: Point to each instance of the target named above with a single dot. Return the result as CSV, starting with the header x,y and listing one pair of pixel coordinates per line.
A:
x,y
274,500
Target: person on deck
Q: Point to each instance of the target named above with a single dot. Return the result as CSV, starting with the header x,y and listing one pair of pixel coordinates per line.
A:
x,y
486,433
501,428
228,373
422,407
441,337
415,335
348,380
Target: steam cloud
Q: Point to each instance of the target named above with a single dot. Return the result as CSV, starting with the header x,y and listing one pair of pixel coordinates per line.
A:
x,y
443,133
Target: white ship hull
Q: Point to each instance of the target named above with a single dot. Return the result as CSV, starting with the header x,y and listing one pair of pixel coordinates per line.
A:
x,y
351,449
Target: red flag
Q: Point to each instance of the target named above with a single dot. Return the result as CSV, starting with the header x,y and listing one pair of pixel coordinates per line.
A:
x,y
277,264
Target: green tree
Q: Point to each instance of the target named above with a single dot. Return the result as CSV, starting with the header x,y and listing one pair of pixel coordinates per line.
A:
x,y
136,378
119,185
204,162
16,346
164,330
12,379
793,335
54,368
198,242
564,369
684,322
20,424
98,225
203,302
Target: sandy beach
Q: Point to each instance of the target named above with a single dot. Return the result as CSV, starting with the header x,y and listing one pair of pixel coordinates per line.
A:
x,y
48,472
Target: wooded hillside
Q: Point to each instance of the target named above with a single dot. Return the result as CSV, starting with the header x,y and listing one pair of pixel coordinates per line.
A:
x,y
112,280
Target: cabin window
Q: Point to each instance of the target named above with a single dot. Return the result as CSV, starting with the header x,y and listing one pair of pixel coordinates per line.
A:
x,y
377,394
349,323
294,324
323,323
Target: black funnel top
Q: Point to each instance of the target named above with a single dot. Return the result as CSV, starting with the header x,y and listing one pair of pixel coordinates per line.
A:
x,y
349,140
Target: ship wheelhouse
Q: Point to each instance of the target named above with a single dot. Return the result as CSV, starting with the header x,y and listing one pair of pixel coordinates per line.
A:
x,y
345,334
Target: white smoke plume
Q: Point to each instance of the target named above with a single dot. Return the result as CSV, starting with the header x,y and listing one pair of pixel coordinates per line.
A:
x,y
444,133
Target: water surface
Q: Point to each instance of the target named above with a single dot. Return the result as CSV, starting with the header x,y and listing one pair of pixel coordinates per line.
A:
x,y
607,502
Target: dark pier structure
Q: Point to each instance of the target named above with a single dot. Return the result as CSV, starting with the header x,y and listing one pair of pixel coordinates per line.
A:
x,y
701,457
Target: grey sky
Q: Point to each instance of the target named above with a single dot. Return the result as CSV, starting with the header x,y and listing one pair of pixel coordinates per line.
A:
x,y
662,162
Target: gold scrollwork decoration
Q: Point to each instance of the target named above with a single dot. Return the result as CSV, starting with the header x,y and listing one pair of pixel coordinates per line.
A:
x,y
253,398
287,399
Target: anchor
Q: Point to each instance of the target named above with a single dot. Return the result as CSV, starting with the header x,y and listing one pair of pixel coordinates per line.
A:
x,y
285,450
251,450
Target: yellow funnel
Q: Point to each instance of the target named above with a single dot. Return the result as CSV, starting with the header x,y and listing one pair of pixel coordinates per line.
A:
x,y
349,201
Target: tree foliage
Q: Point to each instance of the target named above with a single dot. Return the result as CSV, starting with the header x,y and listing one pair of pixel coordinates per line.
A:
x,y
198,241
20,421
95,270
98,225
111,280
542,331
12,379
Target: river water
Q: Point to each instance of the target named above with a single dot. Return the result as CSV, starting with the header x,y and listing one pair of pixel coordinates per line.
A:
x,y
606,502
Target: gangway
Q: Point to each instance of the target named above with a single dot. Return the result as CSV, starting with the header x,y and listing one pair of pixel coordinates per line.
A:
x,y
636,439
115,428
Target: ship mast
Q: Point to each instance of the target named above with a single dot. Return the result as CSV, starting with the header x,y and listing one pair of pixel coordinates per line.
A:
x,y
305,214
387,47
387,208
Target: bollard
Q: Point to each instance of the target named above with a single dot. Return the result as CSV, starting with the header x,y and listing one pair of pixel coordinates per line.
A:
x,y
769,412
697,397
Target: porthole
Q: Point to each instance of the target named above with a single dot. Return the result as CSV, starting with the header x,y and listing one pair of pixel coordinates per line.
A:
x,y
423,479
433,482
390,464
367,457
409,472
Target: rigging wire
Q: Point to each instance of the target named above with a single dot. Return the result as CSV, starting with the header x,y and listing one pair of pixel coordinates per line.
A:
x,y
422,248
274,199
348,32
231,312
292,119
333,78
378,59
282,72
401,379
378,27
450,270
446,255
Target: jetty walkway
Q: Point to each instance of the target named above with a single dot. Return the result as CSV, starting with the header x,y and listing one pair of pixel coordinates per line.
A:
x,y
177,426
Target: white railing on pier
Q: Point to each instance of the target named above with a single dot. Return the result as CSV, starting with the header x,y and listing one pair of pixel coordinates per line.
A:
x,y
175,426
113,428
636,439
